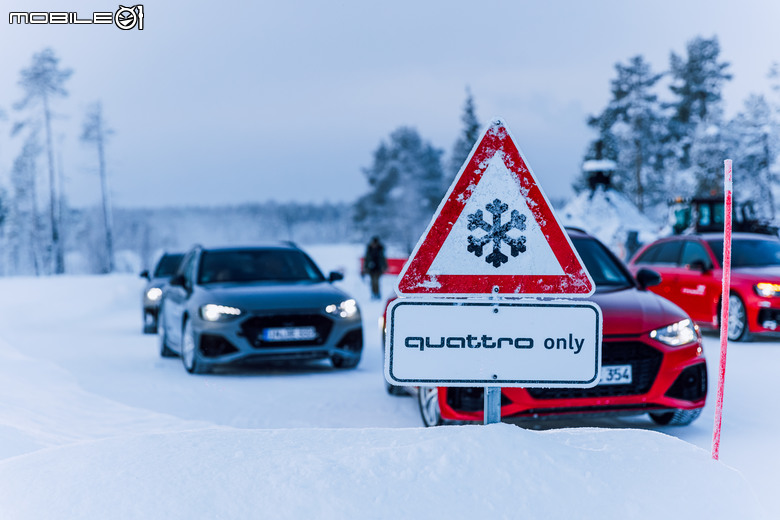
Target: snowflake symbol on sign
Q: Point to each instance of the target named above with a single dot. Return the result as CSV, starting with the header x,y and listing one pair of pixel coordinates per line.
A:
x,y
496,233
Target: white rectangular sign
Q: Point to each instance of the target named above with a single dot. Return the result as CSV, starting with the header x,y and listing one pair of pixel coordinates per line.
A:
x,y
436,342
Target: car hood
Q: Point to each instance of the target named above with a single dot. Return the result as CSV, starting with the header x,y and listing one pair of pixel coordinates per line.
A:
x,y
632,312
157,282
263,296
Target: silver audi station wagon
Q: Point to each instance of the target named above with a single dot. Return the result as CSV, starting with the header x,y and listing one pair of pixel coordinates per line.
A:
x,y
256,304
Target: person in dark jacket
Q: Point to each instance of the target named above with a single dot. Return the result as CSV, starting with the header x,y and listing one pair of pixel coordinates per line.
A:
x,y
374,264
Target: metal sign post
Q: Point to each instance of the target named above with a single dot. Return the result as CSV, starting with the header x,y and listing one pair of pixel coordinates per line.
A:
x,y
491,397
492,404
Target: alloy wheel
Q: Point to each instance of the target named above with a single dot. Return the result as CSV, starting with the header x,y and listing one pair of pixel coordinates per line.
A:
x,y
428,399
188,348
737,326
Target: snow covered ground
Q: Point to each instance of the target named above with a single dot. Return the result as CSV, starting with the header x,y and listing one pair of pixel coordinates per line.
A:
x,y
94,424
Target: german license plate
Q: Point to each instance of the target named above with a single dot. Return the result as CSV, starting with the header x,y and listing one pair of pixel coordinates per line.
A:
x,y
290,334
615,375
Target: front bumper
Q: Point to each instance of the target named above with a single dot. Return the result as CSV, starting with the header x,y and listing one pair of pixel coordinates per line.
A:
x,y
150,316
763,314
241,340
663,378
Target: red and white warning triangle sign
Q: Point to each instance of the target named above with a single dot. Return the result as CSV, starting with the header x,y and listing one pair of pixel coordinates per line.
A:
x,y
495,229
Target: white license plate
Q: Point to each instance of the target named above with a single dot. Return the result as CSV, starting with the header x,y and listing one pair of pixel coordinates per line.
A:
x,y
615,375
290,334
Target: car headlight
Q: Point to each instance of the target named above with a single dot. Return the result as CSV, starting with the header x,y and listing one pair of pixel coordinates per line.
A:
x,y
212,312
676,334
767,289
345,309
154,294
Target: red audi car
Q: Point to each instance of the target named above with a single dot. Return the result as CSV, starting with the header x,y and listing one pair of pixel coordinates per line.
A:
x,y
652,358
691,274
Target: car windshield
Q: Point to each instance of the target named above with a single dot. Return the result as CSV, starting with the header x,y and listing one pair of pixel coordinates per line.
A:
x,y
257,265
602,266
749,252
167,265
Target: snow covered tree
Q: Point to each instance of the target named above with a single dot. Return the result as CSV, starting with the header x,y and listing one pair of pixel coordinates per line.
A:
x,y
757,135
25,249
630,129
466,140
697,84
774,78
405,182
711,143
95,131
41,82
774,85
4,249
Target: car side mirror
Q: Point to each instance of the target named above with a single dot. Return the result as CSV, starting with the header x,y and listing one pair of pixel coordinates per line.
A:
x,y
335,276
177,280
699,265
647,278
145,274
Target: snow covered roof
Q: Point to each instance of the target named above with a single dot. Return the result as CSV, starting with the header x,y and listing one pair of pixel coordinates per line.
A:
x,y
600,165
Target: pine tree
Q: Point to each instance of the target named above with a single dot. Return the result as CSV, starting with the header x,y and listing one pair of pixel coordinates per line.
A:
x,y
710,145
630,128
467,138
95,131
4,212
757,136
24,222
43,81
405,182
697,84
774,82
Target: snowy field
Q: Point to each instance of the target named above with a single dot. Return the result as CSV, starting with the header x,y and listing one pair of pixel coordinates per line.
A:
x,y
94,424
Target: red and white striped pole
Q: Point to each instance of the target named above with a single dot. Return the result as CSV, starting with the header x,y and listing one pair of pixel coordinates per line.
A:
x,y
724,308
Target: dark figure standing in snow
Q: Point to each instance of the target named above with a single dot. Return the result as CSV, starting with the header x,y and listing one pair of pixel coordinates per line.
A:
x,y
374,264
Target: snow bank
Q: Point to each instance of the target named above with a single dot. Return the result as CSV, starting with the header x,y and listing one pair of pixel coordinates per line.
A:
x,y
94,425
499,471
609,216
41,406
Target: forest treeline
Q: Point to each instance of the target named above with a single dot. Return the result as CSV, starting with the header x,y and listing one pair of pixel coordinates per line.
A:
x,y
664,134
664,131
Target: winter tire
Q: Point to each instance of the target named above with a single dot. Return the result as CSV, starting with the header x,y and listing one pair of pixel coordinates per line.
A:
x,y
395,389
737,326
352,358
428,399
189,351
675,418
340,361
162,338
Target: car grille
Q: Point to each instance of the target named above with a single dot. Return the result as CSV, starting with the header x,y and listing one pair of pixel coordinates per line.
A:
x,y
252,329
468,399
645,362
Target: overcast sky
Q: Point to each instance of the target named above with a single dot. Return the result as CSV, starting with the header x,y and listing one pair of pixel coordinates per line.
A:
x,y
256,100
